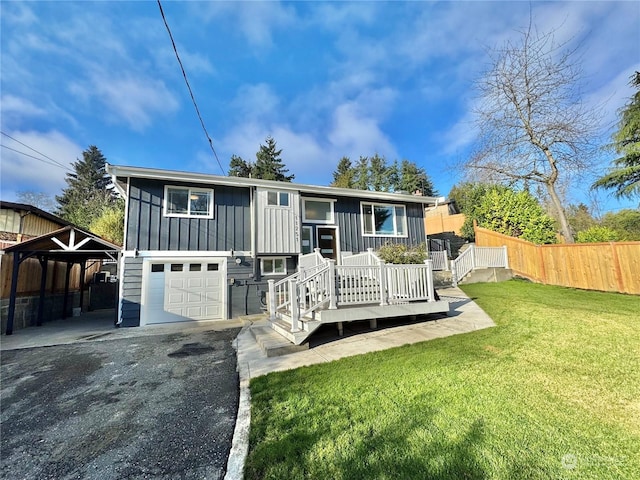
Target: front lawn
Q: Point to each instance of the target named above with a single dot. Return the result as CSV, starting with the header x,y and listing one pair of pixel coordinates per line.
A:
x,y
552,392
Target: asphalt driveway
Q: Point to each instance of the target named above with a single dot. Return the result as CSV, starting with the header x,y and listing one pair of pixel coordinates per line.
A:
x,y
161,406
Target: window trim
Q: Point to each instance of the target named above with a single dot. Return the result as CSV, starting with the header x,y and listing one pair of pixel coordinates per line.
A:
x,y
279,198
393,206
311,239
330,201
190,191
272,273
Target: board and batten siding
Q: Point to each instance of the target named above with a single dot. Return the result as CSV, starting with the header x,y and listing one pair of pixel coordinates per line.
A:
x,y
149,229
278,227
348,217
131,292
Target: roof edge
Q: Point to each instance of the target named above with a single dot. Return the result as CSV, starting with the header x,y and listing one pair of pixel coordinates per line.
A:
x,y
176,175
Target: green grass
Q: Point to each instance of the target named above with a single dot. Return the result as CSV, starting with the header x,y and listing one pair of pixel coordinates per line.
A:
x,y
555,384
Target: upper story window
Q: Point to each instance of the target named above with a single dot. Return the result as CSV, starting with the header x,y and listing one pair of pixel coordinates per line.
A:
x,y
318,210
384,220
188,202
280,199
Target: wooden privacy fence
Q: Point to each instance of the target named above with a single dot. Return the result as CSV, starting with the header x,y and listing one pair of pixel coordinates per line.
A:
x,y
31,272
439,223
609,267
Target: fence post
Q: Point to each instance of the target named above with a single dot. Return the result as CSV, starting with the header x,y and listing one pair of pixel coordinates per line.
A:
x,y
383,283
473,255
506,257
295,311
454,274
272,300
333,298
429,264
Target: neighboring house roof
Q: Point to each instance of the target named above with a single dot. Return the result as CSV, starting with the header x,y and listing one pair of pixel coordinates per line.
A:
x,y
178,176
35,211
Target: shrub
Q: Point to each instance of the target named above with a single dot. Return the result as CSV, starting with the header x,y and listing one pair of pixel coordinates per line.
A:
x,y
399,253
597,234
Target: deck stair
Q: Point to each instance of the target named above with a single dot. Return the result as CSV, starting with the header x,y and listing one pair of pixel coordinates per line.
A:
x,y
493,260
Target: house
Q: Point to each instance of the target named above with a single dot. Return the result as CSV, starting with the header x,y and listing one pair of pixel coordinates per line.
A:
x,y
37,273
200,246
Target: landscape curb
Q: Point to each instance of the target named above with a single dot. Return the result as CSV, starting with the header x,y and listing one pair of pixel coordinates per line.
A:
x,y
240,443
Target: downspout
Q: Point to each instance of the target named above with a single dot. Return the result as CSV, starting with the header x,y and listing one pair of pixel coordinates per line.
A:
x,y
254,231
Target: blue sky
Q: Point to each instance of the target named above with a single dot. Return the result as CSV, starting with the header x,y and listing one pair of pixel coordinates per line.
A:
x,y
325,79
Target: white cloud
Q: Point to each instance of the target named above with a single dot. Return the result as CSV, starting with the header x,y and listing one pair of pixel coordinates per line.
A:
x,y
256,20
355,134
134,99
258,102
14,108
23,173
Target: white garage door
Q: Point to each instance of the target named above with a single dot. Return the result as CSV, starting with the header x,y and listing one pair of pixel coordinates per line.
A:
x,y
182,291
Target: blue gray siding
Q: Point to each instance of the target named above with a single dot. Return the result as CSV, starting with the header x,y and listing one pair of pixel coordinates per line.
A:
x,y
149,229
131,292
348,220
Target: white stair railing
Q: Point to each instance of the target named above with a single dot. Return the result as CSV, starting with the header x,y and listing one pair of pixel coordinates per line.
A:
x,y
360,259
478,257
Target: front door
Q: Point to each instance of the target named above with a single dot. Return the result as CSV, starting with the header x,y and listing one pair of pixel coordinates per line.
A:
x,y
328,242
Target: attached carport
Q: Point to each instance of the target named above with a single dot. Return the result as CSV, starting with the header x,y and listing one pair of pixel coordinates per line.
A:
x,y
69,245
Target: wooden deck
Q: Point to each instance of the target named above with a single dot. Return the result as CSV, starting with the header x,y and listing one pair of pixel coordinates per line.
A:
x,y
363,288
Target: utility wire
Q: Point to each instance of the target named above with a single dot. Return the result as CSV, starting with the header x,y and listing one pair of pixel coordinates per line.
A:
x,y
37,158
184,74
55,162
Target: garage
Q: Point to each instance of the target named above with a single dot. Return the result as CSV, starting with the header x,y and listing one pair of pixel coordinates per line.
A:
x,y
184,290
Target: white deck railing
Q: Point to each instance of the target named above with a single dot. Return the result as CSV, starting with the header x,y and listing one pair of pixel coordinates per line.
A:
x,y
364,258
406,283
439,259
329,286
312,259
478,257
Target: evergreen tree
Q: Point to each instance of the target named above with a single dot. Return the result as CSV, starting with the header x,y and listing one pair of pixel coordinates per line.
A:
x,y
624,176
413,178
238,167
88,190
344,175
378,174
269,165
361,174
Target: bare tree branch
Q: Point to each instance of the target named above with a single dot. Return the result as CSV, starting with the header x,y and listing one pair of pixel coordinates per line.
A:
x,y
533,125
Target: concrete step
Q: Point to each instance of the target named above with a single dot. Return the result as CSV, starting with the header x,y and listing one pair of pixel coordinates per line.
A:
x,y
283,327
488,275
274,344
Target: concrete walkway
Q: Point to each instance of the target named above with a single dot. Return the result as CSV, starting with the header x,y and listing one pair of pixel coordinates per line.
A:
x,y
464,316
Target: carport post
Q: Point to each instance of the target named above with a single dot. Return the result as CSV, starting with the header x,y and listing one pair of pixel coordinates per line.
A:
x,y
44,263
65,301
12,295
83,271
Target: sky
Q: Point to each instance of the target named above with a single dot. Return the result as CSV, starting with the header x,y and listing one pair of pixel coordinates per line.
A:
x,y
324,79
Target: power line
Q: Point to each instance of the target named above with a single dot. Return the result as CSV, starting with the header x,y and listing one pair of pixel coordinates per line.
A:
x,y
184,74
55,162
36,158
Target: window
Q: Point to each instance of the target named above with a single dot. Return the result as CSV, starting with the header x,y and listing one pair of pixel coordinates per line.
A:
x,y
188,202
195,267
280,199
273,266
384,220
176,267
157,267
318,211
307,240
213,267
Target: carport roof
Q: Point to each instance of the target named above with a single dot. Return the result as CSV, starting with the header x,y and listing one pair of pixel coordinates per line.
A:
x,y
68,244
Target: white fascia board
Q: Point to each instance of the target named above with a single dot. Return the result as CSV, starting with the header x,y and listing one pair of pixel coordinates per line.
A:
x,y
185,253
189,177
